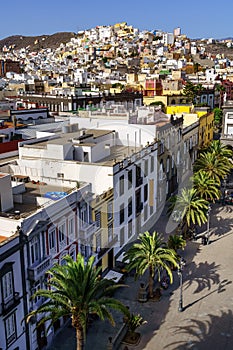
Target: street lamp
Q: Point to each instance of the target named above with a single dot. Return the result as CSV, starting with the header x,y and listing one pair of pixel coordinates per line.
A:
x,y
208,223
181,265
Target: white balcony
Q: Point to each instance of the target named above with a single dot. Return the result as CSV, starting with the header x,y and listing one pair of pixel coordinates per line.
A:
x,y
87,230
34,273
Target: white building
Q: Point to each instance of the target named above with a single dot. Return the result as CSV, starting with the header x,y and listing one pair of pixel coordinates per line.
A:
x,y
13,304
104,158
54,221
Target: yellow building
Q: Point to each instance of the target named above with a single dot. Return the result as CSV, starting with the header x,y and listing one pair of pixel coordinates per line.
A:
x,y
206,129
179,109
104,239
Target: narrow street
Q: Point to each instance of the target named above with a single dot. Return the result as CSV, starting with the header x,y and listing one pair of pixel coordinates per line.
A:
x,y
207,319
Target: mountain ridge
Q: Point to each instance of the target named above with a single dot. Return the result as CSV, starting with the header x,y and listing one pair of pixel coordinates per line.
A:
x,y
36,42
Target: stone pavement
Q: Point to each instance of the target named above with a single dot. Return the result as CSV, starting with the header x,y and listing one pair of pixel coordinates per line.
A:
x,y
207,320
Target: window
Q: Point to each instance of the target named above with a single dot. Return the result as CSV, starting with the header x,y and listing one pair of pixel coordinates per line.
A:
x,y
161,146
151,209
122,236
168,141
85,156
168,164
178,160
98,242
52,240
179,135
145,212
35,289
160,194
98,218
71,230
122,214
62,233
60,175
110,232
73,255
130,229
145,192
83,213
191,143
146,167
121,185
35,249
151,164
130,208
161,171
7,286
63,262
138,176
10,329
110,211
130,178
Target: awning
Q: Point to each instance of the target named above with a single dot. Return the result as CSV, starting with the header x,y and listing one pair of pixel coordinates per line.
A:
x,y
114,276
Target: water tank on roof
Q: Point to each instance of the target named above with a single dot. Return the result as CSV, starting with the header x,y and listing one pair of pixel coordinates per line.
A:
x,y
66,129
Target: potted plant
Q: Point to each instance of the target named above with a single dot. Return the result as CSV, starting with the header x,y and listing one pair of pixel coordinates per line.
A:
x,y
134,321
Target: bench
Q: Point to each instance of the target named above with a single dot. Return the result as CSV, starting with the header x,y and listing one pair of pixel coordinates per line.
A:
x,y
114,344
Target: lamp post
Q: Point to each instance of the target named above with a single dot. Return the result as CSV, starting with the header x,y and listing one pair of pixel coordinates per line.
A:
x,y
181,265
208,223
224,189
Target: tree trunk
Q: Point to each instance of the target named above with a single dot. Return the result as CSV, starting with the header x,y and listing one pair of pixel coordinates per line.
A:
x,y
151,282
80,338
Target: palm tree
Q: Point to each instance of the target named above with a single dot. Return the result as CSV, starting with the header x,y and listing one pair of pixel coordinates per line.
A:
x,y
205,186
76,290
221,89
176,242
189,91
215,167
218,114
151,254
220,150
192,208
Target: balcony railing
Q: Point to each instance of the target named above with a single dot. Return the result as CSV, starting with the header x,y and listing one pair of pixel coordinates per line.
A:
x,y
34,273
8,305
87,230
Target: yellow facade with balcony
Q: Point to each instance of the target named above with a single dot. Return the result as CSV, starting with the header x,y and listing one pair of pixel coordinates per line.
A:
x,y
104,239
206,129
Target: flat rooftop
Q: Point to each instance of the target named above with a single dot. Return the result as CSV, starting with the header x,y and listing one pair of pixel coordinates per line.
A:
x,y
65,138
118,153
29,203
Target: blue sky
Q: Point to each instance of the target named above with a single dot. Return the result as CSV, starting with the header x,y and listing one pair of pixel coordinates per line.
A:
x,y
198,18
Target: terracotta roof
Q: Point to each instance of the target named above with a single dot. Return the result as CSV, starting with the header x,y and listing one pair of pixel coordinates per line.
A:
x,y
2,238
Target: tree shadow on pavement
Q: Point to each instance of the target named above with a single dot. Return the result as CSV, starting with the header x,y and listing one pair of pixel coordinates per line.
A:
x,y
221,220
220,289
216,332
204,275
221,227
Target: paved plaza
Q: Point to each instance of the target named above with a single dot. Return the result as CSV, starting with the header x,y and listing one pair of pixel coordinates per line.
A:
x,y
207,319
